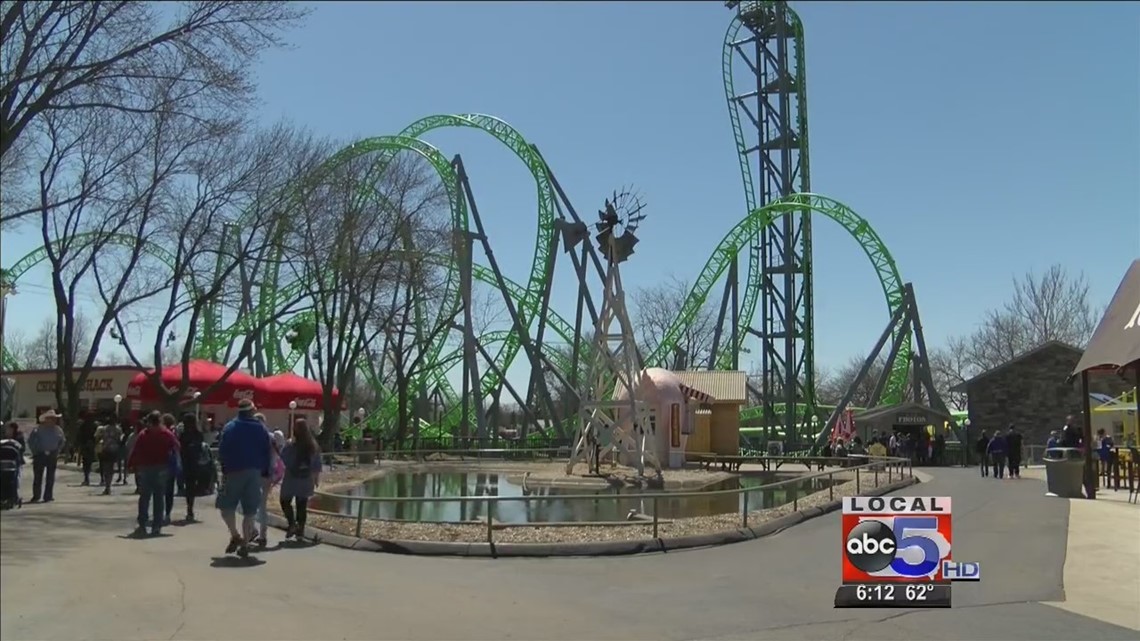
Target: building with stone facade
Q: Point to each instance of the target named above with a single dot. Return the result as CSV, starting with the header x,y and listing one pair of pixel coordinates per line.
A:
x,y
1033,392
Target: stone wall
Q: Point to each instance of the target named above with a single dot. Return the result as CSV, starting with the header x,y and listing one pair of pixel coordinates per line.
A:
x,y
1033,395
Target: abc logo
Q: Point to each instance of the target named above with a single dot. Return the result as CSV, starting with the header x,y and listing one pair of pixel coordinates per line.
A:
x,y
871,546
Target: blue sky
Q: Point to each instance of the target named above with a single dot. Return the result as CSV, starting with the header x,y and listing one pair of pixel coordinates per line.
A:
x,y
981,140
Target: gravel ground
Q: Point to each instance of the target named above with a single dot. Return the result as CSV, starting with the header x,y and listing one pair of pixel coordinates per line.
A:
x,y
477,533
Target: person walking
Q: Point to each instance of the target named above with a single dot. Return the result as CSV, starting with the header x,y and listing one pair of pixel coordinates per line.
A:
x,y
982,448
244,452
124,450
1013,451
86,442
195,462
276,473
175,464
108,444
149,460
45,442
14,434
1071,434
302,459
1054,440
997,451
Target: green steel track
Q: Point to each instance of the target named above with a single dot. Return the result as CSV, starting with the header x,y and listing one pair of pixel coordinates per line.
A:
x,y
528,297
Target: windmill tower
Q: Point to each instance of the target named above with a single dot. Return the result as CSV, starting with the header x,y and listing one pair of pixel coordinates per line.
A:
x,y
615,364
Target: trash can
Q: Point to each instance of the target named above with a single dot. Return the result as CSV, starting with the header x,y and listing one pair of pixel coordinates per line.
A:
x,y
366,454
1064,472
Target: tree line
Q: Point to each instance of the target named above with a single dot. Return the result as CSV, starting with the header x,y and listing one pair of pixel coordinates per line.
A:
x,y
1054,304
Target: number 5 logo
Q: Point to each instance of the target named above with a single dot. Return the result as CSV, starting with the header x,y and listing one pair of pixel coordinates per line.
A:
x,y
918,534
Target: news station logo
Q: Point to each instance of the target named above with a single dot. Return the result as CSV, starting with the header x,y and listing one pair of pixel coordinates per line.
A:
x,y
900,539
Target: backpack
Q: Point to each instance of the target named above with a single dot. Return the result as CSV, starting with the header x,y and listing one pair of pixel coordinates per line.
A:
x,y
111,441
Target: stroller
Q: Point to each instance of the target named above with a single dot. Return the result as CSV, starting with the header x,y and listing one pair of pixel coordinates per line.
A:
x,y
11,456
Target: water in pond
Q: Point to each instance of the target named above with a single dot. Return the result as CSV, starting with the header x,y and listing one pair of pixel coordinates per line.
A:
x,y
547,506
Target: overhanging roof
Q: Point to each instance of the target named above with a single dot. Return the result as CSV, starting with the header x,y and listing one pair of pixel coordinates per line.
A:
x,y
723,387
1116,341
961,387
876,413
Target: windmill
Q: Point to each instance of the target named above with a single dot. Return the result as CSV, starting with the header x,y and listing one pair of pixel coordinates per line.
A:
x,y
615,362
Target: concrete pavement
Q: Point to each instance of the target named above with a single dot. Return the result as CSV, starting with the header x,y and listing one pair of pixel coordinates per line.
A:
x,y
69,572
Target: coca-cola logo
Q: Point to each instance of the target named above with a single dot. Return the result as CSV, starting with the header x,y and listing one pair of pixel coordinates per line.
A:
x,y
243,394
309,403
134,390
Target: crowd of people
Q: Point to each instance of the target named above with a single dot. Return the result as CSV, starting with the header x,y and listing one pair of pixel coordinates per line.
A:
x,y
920,449
999,452
167,457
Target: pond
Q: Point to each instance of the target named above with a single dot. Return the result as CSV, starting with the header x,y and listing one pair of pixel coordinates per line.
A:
x,y
547,506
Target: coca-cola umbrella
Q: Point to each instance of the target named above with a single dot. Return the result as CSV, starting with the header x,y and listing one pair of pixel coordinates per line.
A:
x,y
200,376
275,392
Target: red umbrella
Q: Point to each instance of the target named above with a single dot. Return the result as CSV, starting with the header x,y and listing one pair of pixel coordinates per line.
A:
x,y
200,375
275,392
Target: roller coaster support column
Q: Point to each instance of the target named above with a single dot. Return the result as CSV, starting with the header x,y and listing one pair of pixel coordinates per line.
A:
x,y
775,105
536,373
730,299
520,326
472,391
902,323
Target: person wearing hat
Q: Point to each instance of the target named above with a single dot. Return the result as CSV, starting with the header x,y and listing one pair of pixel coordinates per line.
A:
x,y
45,442
244,450
150,459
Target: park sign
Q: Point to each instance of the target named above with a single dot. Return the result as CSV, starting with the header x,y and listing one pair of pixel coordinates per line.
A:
x,y
911,418
89,385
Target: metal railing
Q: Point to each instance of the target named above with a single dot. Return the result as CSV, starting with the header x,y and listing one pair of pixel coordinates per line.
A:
x,y
893,468
371,457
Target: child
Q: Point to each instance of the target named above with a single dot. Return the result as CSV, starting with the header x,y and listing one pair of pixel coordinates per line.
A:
x,y
276,473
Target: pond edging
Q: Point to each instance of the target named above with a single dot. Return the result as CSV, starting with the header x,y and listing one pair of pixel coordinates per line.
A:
x,y
595,548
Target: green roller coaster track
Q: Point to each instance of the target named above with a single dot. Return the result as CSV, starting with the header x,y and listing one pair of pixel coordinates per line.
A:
x,y
871,243
529,297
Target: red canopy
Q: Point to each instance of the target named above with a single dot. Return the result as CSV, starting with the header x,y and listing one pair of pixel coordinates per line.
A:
x,y
275,392
200,375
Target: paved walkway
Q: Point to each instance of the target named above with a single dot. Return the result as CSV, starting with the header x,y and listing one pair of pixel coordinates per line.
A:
x,y
69,572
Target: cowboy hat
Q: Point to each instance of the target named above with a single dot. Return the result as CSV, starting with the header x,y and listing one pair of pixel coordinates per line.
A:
x,y
49,414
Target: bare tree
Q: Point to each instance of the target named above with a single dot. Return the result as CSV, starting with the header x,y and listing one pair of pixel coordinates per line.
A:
x,y
351,261
420,315
218,212
951,365
1054,305
655,311
831,388
105,108
92,57
40,351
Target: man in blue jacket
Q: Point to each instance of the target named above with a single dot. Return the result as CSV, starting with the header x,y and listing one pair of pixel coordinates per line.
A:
x,y
244,453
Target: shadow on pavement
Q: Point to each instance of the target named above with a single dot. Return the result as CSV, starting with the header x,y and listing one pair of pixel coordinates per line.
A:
x,y
235,562
32,533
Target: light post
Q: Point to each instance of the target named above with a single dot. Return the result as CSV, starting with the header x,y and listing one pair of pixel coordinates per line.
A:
x,y
292,409
6,288
363,439
118,400
967,445
197,410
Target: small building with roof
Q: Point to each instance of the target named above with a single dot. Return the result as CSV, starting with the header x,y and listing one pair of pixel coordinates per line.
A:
x,y
1032,391
716,427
